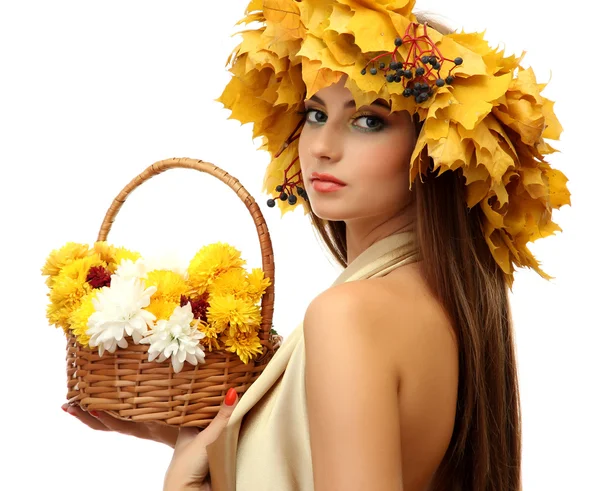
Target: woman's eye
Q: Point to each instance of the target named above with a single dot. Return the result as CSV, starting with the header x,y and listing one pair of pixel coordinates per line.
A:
x,y
367,122
319,116
370,122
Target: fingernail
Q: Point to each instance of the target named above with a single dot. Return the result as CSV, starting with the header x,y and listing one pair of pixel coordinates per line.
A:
x,y
94,414
230,397
64,407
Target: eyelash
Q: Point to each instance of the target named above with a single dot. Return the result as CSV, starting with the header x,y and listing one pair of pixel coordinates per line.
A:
x,y
381,122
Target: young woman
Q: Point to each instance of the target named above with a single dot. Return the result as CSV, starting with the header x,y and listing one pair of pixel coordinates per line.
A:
x,y
403,373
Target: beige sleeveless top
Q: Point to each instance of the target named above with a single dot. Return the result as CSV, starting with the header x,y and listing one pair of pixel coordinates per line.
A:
x,y
266,445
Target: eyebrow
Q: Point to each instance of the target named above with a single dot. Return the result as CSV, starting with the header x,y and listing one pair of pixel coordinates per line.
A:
x,y
351,103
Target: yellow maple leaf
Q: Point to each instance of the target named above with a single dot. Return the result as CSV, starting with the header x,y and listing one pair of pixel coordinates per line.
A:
x,y
339,19
250,41
499,190
473,63
468,115
245,106
316,77
373,31
559,195
342,47
361,97
254,17
254,5
448,152
477,191
489,152
400,103
263,58
311,48
533,181
283,20
402,7
270,94
401,21
480,88
475,171
315,15
287,92
364,83
278,126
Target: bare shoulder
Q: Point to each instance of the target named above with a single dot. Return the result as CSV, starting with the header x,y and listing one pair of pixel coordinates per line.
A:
x,y
398,309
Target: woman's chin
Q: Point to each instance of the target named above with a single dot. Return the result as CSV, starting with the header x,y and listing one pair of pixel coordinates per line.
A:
x,y
330,213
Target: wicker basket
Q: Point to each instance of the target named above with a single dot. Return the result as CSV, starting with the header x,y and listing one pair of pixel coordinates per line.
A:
x,y
127,386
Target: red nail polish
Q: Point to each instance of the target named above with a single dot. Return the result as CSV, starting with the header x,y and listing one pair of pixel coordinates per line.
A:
x,y
230,397
64,408
94,414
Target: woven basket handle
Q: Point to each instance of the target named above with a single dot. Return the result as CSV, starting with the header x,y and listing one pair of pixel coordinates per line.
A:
x,y
264,238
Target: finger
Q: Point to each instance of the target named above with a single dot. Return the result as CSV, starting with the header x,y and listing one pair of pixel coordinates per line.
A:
x,y
218,424
121,426
186,435
163,433
86,418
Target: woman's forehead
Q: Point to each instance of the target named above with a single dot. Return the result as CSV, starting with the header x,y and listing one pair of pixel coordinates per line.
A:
x,y
342,96
337,93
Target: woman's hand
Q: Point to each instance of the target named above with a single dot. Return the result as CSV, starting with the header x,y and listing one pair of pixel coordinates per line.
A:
x,y
189,466
99,420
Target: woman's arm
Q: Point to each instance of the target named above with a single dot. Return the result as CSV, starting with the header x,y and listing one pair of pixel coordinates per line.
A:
x,y
352,392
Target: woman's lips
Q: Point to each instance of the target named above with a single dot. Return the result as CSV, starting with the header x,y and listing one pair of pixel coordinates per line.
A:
x,y
326,186
327,177
326,183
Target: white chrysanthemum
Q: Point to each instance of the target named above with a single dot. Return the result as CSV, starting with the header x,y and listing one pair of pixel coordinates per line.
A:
x,y
119,311
128,269
176,339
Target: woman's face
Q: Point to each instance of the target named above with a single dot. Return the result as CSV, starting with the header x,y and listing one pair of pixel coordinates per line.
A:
x,y
368,149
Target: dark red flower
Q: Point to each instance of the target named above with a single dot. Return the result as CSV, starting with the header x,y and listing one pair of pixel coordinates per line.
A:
x,y
199,305
98,276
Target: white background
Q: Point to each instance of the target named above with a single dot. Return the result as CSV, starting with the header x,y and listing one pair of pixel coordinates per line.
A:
x,y
93,92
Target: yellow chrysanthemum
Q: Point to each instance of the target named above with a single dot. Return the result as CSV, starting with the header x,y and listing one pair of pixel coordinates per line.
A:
x,y
231,282
162,308
65,297
233,314
169,285
210,344
78,320
244,344
257,284
69,287
123,253
79,268
58,315
59,258
211,339
210,262
112,255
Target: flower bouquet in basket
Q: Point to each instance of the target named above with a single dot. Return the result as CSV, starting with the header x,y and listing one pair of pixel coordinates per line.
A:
x,y
149,342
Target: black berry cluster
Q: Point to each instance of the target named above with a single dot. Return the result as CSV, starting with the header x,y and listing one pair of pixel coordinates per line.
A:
x,y
286,189
420,76
290,198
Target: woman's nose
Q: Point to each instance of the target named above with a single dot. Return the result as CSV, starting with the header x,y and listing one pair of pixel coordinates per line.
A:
x,y
326,144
